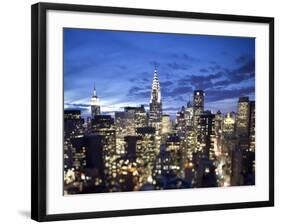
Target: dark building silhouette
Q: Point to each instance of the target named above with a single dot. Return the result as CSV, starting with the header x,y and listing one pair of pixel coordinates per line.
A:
x,y
206,134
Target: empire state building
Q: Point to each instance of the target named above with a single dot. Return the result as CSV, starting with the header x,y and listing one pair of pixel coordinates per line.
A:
x,y
155,106
95,104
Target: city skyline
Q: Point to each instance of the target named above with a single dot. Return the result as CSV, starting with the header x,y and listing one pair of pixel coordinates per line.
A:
x,y
157,131
224,69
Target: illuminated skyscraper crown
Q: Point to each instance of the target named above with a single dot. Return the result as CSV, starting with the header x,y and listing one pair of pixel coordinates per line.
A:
x,y
95,101
155,91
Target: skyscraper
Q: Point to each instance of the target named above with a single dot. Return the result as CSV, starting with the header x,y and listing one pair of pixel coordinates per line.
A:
x,y
166,124
206,134
242,122
252,126
198,105
146,152
188,114
155,110
103,125
228,127
173,146
155,106
73,128
95,104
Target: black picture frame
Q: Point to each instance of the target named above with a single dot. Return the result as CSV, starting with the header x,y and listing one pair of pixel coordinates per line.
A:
x,y
38,108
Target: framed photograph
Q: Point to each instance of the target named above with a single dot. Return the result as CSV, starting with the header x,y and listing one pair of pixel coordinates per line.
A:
x,y
139,111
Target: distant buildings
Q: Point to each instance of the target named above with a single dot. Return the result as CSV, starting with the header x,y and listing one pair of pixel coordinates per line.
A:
x,y
139,149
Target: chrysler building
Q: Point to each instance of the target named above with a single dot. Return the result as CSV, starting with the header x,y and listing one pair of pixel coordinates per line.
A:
x,y
155,106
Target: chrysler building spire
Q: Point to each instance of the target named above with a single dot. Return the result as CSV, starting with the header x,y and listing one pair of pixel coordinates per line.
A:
x,y
155,89
155,106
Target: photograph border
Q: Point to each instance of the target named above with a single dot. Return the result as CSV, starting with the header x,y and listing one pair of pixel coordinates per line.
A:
x,y
39,110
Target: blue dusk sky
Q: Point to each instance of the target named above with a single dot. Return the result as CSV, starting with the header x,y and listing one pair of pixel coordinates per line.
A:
x,y
121,66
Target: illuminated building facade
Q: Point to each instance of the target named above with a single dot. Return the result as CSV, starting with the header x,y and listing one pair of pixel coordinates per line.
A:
x,y
173,146
146,145
103,125
252,126
198,105
228,126
181,122
73,128
188,115
166,124
146,151
242,119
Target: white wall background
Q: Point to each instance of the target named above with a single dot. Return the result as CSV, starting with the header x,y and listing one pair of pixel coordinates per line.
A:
x,y
15,110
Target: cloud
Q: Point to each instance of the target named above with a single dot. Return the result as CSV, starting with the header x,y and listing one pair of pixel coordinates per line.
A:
x,y
214,67
203,70
154,63
180,90
200,81
134,89
243,73
242,59
141,94
166,83
176,66
77,104
77,67
84,108
222,83
213,95
122,67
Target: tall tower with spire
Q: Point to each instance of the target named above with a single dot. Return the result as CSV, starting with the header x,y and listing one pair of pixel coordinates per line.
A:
x,y
155,106
95,104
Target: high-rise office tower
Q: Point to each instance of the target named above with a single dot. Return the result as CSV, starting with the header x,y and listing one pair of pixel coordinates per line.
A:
x,y
228,126
173,146
242,119
188,114
236,168
252,126
198,105
146,149
103,125
139,116
206,134
166,124
126,123
73,128
95,104
180,122
218,122
146,152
